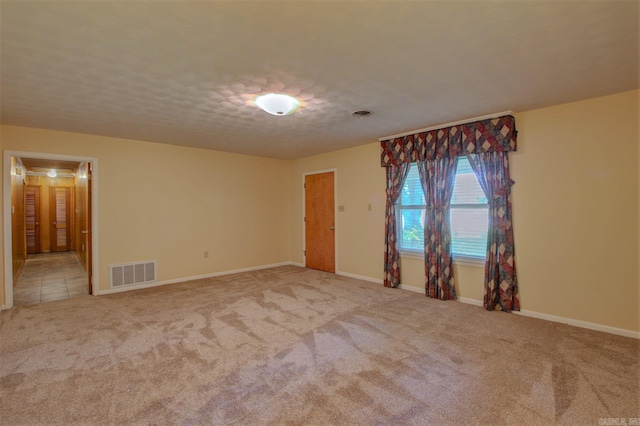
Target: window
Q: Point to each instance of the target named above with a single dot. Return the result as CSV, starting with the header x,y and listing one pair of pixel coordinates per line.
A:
x,y
469,214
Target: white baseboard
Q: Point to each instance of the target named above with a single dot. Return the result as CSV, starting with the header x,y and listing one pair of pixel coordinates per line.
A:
x,y
579,323
532,314
359,277
378,281
563,320
412,288
2,308
470,301
192,278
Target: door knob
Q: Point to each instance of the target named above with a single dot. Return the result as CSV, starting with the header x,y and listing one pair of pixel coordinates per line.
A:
x,y
85,232
331,228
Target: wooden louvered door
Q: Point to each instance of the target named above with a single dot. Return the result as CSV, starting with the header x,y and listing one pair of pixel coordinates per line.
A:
x,y
32,217
60,217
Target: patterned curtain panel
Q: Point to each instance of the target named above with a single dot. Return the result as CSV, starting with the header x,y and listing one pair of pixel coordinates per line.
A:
x,y
437,177
396,176
491,135
500,280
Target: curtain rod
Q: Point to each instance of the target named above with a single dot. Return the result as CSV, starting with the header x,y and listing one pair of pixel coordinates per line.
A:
x,y
453,123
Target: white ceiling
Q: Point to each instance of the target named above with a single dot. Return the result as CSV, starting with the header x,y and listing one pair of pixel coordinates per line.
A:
x,y
186,72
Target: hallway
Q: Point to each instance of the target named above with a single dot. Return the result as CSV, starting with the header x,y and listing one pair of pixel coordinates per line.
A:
x,y
50,276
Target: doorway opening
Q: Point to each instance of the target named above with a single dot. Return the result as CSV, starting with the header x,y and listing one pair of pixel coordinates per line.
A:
x,y
50,222
47,277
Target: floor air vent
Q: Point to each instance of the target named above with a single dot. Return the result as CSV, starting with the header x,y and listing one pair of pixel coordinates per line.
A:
x,y
132,273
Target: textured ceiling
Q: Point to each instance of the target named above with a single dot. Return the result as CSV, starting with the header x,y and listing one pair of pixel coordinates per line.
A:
x,y
186,73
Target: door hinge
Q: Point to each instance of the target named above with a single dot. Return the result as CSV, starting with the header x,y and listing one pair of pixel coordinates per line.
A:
x,y
304,185
305,219
304,252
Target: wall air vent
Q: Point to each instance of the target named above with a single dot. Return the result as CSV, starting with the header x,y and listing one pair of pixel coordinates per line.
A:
x,y
132,273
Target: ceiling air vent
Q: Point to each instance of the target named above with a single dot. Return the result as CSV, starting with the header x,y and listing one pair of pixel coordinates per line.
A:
x,y
361,114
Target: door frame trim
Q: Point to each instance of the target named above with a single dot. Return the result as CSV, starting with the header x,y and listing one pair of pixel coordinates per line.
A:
x,y
8,237
335,215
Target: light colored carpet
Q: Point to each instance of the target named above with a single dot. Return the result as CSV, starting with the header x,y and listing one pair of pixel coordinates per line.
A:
x,y
295,346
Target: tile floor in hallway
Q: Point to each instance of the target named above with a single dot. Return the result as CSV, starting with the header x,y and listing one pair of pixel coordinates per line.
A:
x,y
50,276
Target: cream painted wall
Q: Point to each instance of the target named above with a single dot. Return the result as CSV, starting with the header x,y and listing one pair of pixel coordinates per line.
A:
x,y
576,210
575,202
360,232
2,301
357,228
575,213
171,203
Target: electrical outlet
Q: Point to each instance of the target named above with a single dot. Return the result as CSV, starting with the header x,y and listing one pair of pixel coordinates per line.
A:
x,y
206,254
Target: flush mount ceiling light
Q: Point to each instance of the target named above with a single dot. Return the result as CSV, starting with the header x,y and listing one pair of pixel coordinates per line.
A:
x,y
52,173
277,104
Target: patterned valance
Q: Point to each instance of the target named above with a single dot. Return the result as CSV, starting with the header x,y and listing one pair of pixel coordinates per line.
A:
x,y
490,135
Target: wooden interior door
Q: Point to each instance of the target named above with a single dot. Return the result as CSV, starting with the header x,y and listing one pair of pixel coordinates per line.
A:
x,y
60,219
32,217
319,221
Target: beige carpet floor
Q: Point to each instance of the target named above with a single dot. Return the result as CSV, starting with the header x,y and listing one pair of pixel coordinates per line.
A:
x,y
296,346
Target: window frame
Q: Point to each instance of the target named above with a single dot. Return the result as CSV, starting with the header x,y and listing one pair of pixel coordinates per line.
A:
x,y
462,259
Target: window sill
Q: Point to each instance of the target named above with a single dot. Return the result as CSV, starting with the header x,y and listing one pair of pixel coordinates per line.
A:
x,y
474,262
411,254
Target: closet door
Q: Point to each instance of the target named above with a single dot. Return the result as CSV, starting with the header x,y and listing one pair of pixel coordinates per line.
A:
x,y
60,219
32,216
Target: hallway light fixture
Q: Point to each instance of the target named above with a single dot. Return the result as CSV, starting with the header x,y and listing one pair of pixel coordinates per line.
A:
x,y
52,173
277,103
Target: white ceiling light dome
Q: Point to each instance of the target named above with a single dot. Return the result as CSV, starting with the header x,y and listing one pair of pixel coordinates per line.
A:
x,y
277,103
